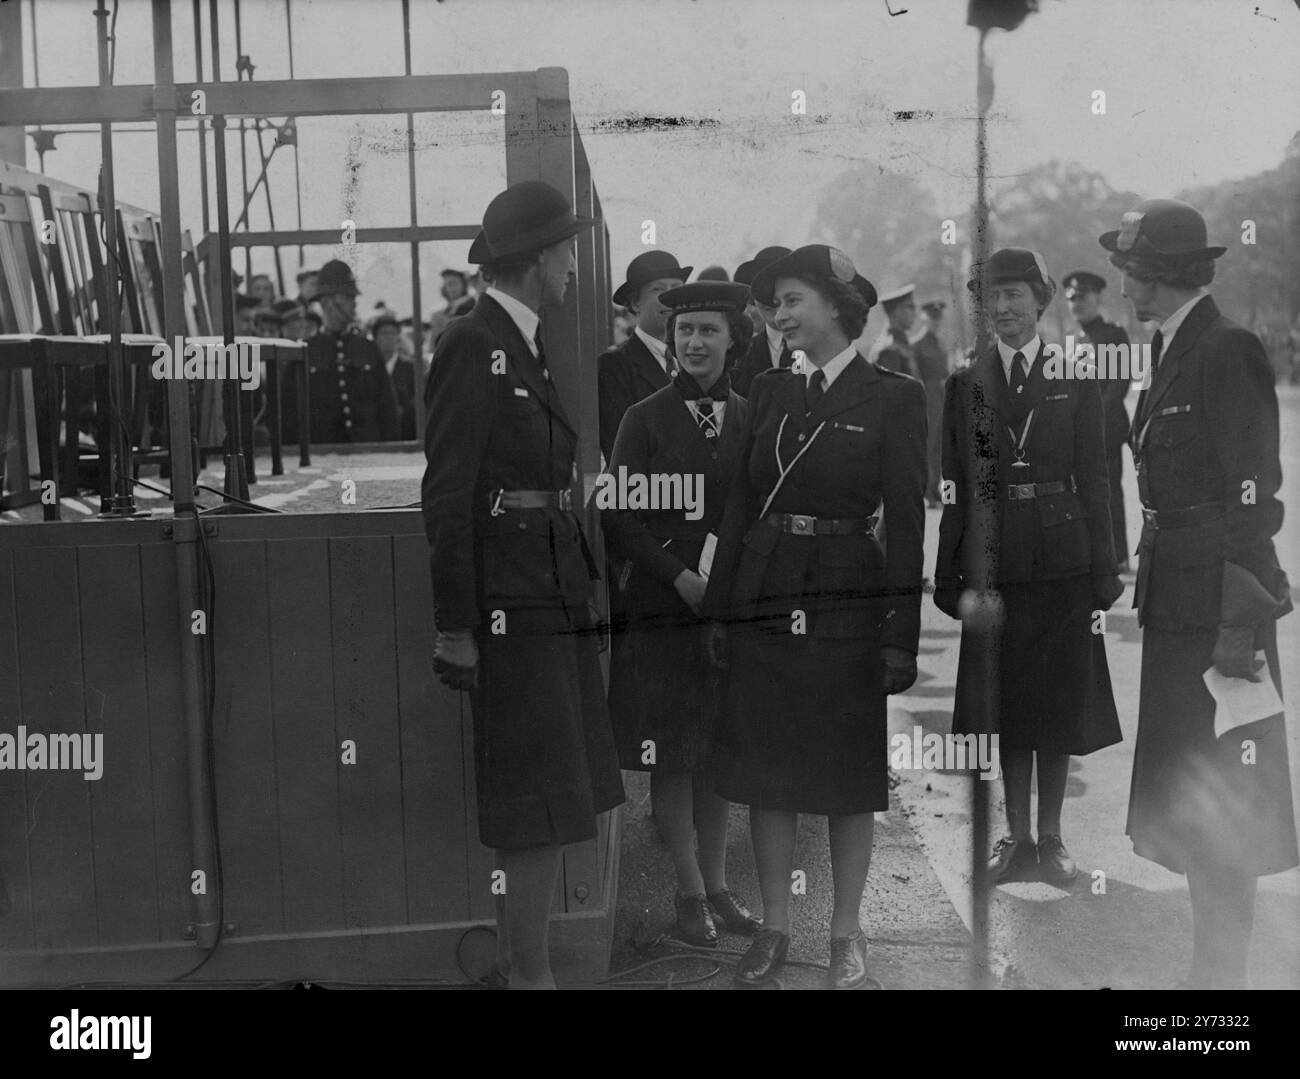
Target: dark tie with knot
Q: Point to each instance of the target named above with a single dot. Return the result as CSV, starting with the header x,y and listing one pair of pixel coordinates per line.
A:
x,y
704,414
816,389
1019,373
1157,347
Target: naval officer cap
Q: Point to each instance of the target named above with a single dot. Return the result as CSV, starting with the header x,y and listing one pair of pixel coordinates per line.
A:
x,y
526,217
646,267
721,296
1012,264
1082,281
746,271
1163,229
896,295
814,261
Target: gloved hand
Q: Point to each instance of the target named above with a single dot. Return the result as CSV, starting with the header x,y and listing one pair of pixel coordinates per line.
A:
x,y
947,600
1234,653
900,668
715,644
1105,591
455,658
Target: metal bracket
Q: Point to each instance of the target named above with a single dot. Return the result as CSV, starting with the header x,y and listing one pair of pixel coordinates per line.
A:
x,y
184,530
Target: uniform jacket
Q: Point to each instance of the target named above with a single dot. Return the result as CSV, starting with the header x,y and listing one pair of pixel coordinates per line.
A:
x,y
757,360
403,380
1113,390
495,422
1206,428
659,436
1039,539
351,396
891,352
931,359
626,374
871,450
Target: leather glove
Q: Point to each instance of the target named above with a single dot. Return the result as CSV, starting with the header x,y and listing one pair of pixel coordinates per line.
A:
x,y
455,658
1234,653
1105,591
715,644
948,600
900,668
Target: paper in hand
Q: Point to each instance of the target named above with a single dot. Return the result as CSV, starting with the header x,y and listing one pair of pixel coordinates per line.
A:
x,y
706,555
1238,701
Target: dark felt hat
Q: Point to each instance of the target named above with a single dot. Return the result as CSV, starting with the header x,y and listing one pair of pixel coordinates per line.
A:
x,y
746,271
304,274
1082,281
1012,264
646,267
934,307
706,296
816,261
244,302
713,273
1162,229
288,309
384,318
526,217
336,277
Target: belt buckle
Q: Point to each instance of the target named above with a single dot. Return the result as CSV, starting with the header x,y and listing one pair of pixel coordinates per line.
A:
x,y
1022,490
1149,516
801,525
566,499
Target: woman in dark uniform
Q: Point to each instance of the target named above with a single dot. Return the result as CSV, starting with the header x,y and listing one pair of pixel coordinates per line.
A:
x,y
1214,805
1028,537
663,691
511,575
823,622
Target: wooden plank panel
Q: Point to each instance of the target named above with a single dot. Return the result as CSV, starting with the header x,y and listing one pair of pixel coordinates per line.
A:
x,y
433,775
168,756
365,711
117,715
16,929
302,696
58,803
245,739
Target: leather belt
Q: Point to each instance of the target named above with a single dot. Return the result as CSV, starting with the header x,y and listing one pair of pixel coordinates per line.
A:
x,y
1181,518
501,500
798,524
1018,491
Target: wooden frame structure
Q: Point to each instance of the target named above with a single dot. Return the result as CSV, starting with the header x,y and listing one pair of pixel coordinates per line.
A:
x,y
233,823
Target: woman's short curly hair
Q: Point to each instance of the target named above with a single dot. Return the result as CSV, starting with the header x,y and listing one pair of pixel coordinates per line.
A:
x,y
1176,273
853,308
739,326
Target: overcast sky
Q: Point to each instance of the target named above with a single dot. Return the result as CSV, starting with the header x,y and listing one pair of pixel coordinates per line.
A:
x,y
1197,91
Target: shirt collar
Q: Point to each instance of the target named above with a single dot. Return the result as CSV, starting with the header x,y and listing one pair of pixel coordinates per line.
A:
x,y
1008,354
833,367
523,316
775,342
1170,326
658,349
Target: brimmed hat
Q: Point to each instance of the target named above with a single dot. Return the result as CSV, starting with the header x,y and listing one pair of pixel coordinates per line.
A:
x,y
526,217
746,271
1162,229
646,267
1082,281
244,302
384,318
304,274
814,260
706,296
288,309
334,278
1012,264
887,299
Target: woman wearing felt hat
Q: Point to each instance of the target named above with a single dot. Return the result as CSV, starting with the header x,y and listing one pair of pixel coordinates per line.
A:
x,y
817,621
1025,559
664,693
512,573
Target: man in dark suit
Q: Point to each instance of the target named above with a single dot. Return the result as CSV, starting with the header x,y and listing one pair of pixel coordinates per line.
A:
x,y
349,392
892,350
932,368
1083,291
386,332
633,370
767,348
512,573
1214,805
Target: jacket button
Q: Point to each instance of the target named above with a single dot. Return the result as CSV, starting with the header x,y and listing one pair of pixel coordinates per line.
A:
x,y
343,397
801,436
347,423
347,411
522,526
713,456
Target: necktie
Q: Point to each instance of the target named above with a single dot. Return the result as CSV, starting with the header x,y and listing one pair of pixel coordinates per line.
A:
x,y
816,389
541,351
704,415
1019,373
1157,347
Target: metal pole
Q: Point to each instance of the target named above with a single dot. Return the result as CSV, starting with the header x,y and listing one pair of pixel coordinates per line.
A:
x,y
203,131
243,135
297,177
120,500
417,303
185,531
